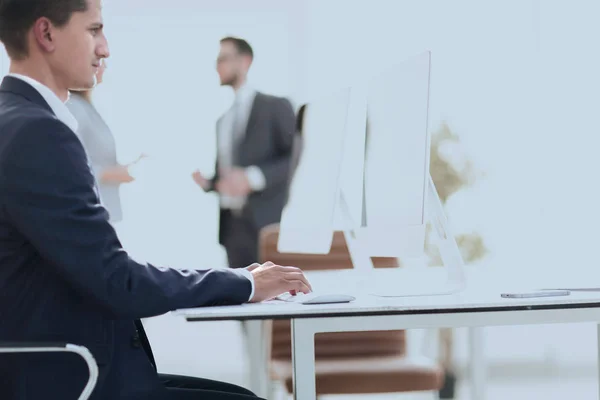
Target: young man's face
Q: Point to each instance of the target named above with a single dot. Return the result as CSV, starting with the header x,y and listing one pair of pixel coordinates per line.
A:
x,y
79,47
229,64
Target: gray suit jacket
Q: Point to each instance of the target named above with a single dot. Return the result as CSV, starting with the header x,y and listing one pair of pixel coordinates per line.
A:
x,y
267,143
100,146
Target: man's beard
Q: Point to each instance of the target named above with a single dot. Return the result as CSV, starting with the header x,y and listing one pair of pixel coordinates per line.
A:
x,y
231,82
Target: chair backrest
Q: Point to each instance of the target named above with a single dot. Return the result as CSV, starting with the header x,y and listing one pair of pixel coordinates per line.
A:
x,y
328,345
338,257
338,345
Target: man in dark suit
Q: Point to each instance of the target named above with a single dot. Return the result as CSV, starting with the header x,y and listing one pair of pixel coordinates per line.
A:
x,y
255,139
64,276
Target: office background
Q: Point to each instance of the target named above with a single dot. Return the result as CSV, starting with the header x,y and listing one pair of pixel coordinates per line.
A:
x,y
517,80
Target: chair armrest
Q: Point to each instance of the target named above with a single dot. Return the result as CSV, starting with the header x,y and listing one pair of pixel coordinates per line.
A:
x,y
56,347
22,345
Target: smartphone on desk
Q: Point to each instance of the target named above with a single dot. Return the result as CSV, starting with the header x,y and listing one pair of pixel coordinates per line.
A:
x,y
538,293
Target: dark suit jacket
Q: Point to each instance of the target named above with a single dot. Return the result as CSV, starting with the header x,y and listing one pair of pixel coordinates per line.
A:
x,y
267,143
63,273
298,146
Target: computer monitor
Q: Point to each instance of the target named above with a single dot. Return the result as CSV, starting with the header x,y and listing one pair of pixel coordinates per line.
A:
x,y
397,160
307,222
398,195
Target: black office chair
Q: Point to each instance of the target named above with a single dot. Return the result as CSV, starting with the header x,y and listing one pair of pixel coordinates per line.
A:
x,y
18,347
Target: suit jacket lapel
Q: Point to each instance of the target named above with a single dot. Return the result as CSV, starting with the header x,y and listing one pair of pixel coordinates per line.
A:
x,y
253,119
22,88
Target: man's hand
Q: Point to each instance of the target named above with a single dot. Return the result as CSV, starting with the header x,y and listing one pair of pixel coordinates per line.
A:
x,y
199,179
271,280
233,182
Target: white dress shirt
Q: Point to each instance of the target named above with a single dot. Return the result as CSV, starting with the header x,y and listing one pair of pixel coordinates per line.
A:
x,y
63,114
58,107
232,129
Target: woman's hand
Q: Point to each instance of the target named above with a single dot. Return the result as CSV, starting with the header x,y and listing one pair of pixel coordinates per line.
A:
x,y
117,174
121,173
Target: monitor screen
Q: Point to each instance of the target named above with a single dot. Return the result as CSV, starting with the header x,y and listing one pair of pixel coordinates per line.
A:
x,y
307,223
397,159
394,168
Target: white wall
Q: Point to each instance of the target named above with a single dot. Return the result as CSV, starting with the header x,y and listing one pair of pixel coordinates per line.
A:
x,y
4,62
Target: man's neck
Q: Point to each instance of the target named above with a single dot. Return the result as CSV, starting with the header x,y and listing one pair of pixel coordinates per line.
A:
x,y
236,86
30,70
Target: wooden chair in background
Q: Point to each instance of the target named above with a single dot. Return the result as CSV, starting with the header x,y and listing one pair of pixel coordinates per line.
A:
x,y
347,362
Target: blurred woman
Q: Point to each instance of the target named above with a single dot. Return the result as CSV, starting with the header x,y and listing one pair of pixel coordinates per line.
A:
x,y
100,146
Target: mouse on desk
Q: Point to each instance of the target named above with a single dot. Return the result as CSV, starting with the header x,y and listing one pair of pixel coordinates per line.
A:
x,y
316,298
328,299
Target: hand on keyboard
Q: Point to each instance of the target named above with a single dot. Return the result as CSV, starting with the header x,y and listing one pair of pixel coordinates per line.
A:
x,y
291,297
271,280
316,298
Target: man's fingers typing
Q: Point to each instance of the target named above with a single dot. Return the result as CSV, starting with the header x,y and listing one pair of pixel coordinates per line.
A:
x,y
299,286
287,269
252,267
297,276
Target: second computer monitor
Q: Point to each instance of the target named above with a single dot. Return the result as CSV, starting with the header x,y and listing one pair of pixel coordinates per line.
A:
x,y
307,223
397,160
395,176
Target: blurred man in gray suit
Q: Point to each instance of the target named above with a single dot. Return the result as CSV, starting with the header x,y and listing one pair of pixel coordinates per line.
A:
x,y
254,149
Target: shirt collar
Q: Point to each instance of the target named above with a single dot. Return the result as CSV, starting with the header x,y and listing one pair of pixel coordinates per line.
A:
x,y
244,94
58,107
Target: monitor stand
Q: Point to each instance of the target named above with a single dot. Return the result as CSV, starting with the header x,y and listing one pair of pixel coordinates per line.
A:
x,y
378,282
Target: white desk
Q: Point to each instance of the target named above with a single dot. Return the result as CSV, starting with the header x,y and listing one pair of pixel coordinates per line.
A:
x,y
468,309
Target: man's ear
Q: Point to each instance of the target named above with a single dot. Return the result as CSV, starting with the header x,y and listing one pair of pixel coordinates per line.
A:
x,y
44,34
247,60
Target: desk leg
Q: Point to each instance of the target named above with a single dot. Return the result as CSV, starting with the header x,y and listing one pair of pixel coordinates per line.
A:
x,y
256,345
477,367
303,359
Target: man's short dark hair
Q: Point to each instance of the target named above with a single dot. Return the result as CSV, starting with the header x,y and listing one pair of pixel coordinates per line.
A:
x,y
18,16
242,46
